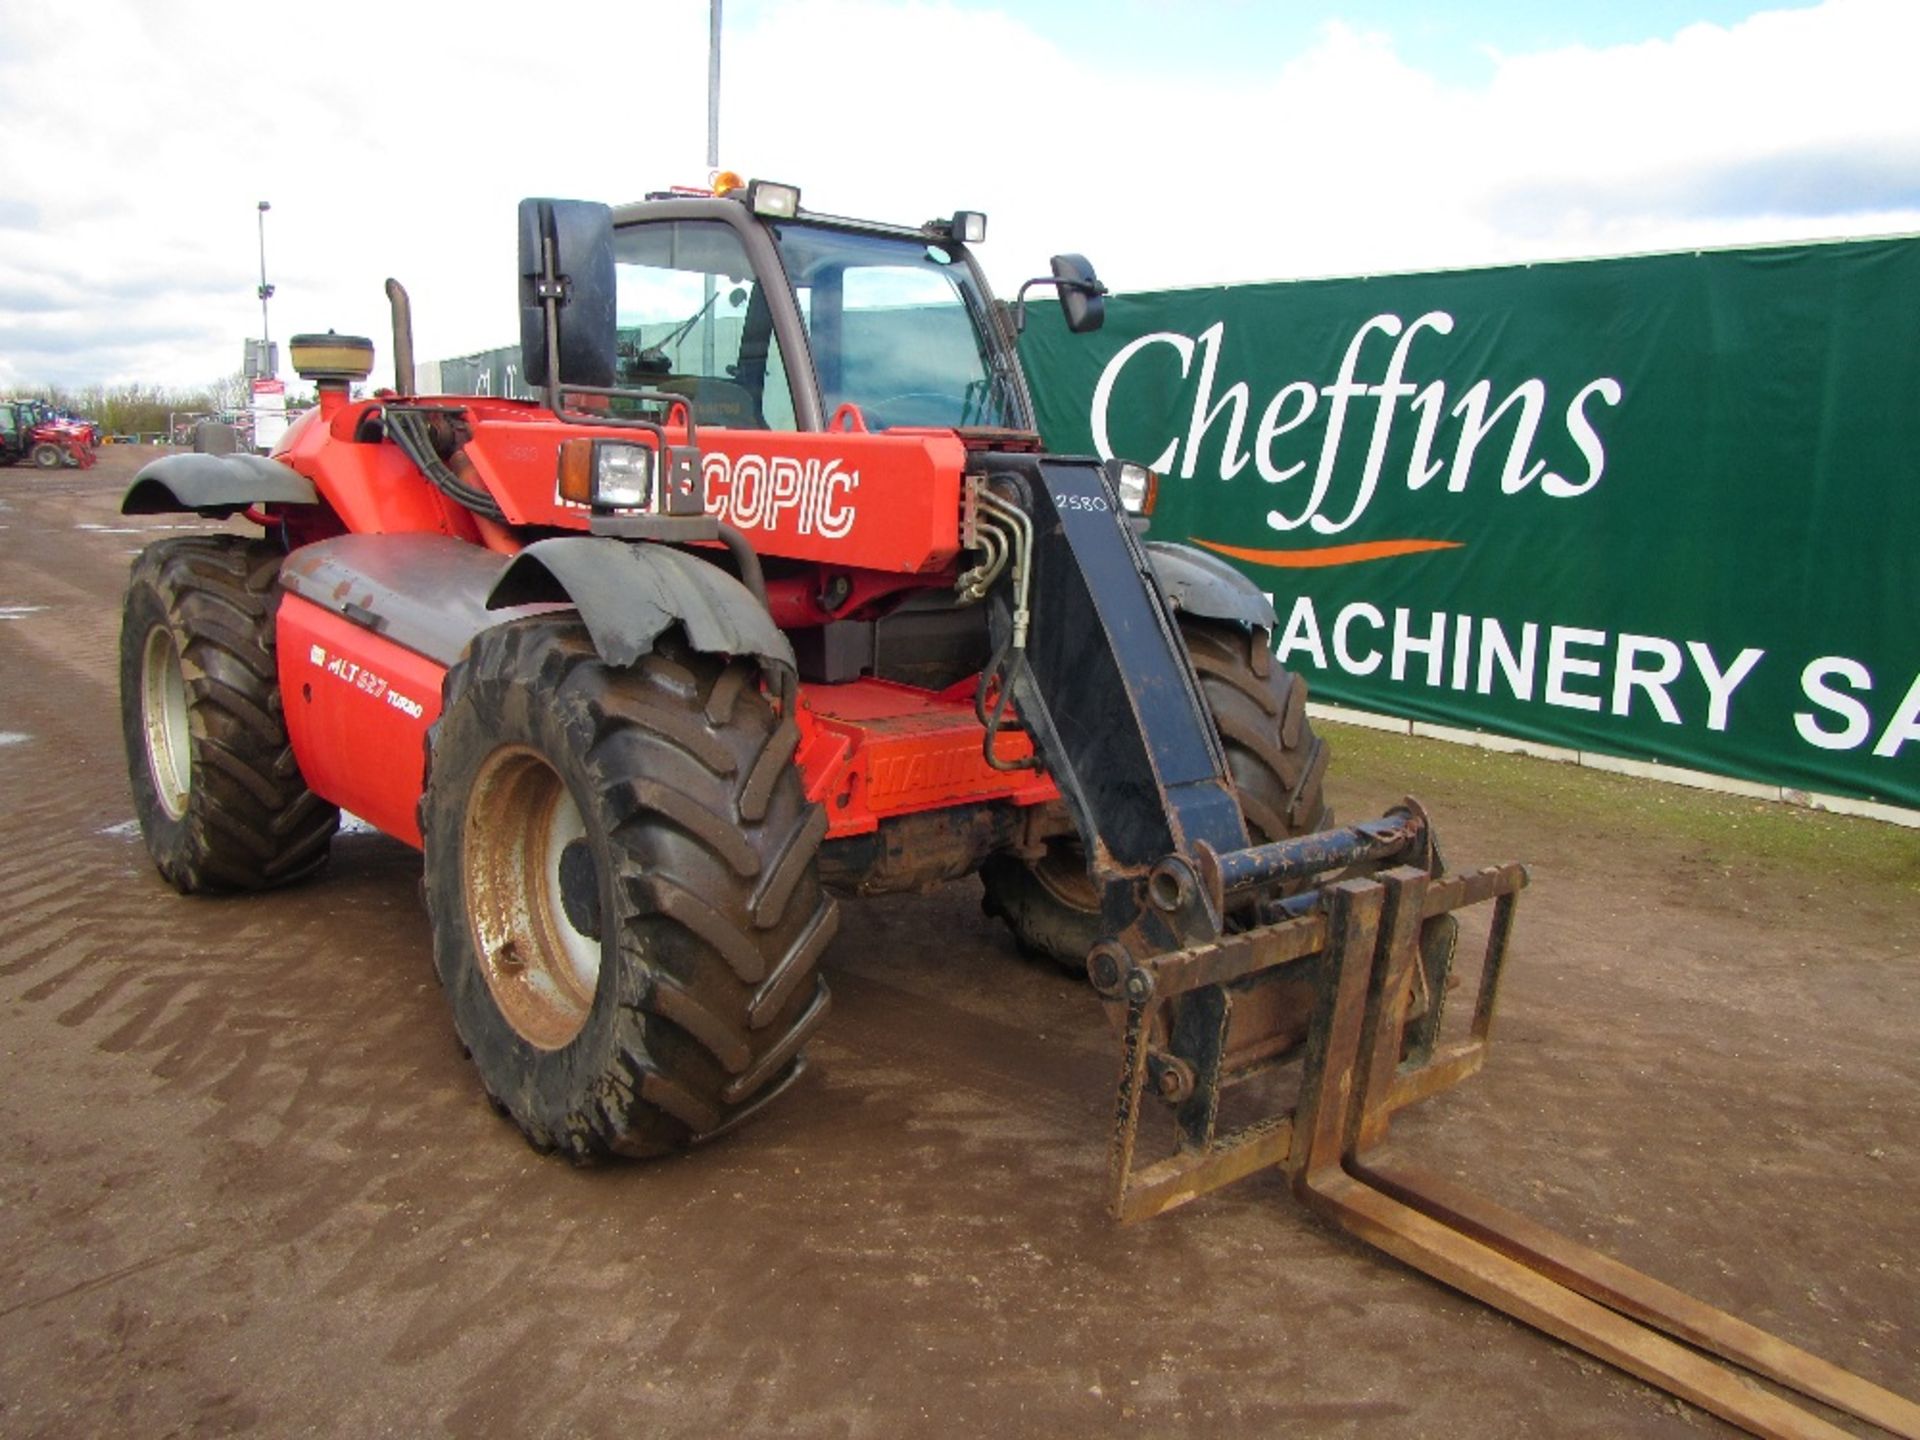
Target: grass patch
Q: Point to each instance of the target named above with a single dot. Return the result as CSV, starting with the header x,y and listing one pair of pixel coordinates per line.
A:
x,y
1724,829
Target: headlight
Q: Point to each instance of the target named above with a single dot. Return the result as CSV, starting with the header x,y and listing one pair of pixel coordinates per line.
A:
x,y
1137,487
607,474
622,477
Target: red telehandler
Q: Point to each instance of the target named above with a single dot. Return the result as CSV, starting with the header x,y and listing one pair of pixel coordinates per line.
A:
x,y
774,593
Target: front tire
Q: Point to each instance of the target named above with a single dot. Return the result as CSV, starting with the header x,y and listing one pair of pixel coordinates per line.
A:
x,y
47,455
219,796
1276,762
621,870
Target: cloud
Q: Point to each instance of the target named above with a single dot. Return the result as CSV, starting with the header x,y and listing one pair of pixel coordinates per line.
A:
x,y
1824,183
26,298
129,238
64,336
1345,157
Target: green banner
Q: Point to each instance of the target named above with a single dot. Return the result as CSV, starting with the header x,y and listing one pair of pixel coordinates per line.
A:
x,y
1665,508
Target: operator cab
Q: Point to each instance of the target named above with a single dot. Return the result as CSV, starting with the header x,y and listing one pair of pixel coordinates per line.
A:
x,y
763,316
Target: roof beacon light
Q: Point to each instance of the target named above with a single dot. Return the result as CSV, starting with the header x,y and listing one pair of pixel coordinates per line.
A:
x,y
725,182
969,226
773,200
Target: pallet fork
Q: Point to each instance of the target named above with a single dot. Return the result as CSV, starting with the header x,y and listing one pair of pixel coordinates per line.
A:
x,y
1377,951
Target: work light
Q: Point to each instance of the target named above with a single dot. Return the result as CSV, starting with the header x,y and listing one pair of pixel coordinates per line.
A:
x,y
773,200
969,226
607,474
1137,487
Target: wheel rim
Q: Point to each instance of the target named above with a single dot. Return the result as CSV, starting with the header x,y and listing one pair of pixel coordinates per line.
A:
x,y
533,897
163,716
1062,873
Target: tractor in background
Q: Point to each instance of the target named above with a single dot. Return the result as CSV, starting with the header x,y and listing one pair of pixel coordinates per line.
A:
x,y
31,431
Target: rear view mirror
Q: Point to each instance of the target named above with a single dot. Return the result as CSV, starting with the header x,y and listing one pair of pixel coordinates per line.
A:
x,y
566,293
1082,296
1083,299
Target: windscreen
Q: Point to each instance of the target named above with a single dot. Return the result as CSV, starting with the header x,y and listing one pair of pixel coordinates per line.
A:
x,y
898,328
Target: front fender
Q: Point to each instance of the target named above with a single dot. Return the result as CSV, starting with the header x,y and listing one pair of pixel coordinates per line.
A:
x,y
1204,585
628,594
214,485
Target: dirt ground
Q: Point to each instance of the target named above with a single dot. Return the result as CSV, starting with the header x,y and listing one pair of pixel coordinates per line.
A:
x,y
248,1183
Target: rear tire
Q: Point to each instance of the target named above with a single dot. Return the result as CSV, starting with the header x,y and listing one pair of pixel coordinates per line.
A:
x,y
1277,764
217,790
621,870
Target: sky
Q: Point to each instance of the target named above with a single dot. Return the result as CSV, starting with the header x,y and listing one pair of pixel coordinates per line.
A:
x,y
1174,142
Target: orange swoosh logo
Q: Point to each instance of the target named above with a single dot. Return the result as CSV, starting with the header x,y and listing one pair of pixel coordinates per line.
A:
x,y
1329,554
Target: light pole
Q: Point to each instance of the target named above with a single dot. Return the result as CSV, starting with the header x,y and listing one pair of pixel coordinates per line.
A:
x,y
266,293
713,163
713,84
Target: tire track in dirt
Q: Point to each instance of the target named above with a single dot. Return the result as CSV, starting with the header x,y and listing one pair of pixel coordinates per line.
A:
x,y
285,1045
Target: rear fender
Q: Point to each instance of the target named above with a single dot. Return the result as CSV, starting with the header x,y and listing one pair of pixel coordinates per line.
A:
x,y
367,630
1203,585
629,594
215,485
426,593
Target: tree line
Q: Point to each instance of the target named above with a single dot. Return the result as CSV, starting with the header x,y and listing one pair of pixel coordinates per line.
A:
x,y
143,409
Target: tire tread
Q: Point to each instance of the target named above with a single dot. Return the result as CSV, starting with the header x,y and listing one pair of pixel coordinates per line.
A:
x,y
1277,765
684,769
251,821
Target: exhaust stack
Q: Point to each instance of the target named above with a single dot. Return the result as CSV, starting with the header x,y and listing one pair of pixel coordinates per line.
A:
x,y
402,337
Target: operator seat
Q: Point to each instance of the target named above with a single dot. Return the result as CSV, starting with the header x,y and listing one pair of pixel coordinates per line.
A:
x,y
716,401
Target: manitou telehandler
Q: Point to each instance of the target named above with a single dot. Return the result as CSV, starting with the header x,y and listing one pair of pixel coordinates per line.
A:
x,y
774,592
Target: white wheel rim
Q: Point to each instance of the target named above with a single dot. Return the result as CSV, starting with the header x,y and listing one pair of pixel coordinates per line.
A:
x,y
540,966
163,716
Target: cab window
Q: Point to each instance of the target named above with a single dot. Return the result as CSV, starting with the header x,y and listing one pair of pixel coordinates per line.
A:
x,y
694,322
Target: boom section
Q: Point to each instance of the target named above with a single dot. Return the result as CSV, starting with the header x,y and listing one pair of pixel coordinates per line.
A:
x,y
1090,653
